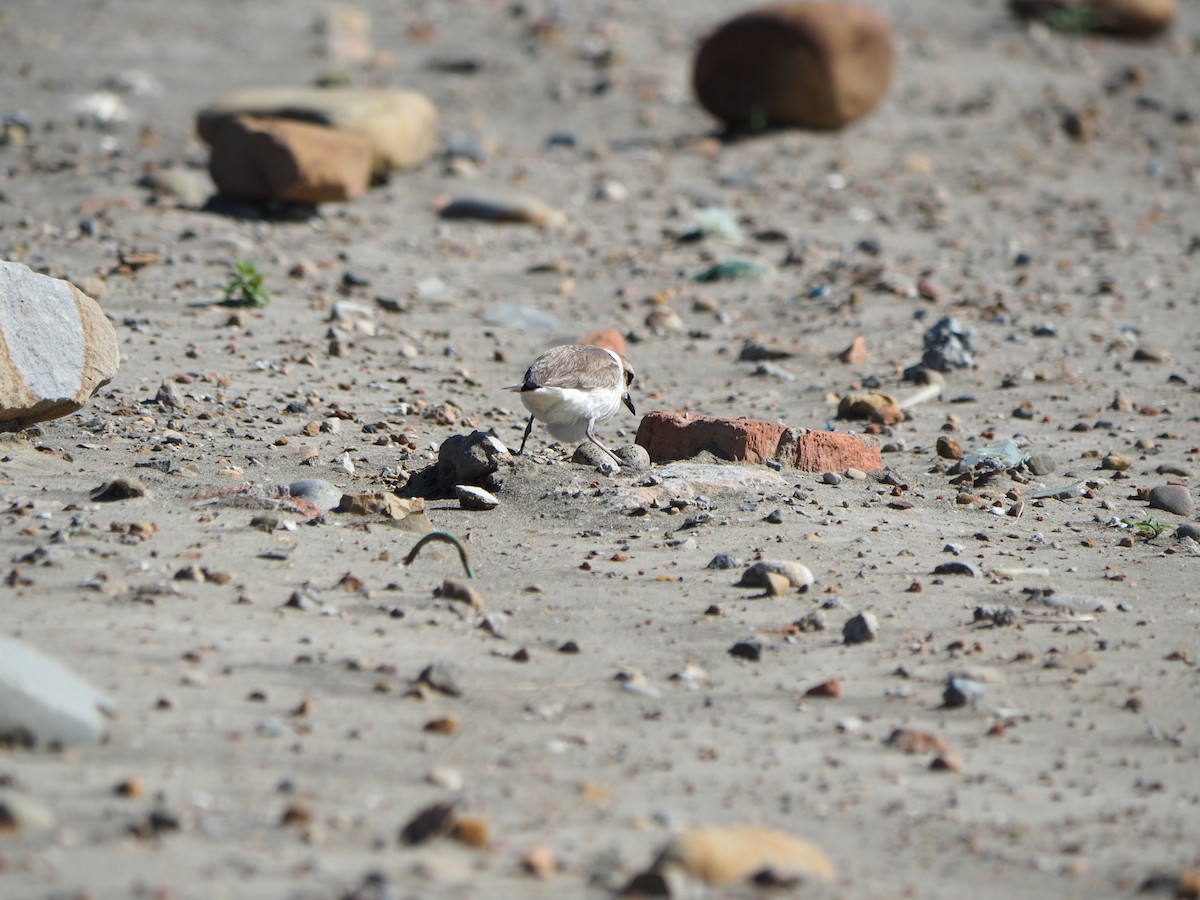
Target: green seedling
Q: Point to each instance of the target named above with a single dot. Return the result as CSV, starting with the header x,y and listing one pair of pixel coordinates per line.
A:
x,y
1072,19
1147,526
245,285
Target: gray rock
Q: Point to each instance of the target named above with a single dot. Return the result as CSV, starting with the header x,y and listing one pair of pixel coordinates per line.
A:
x,y
723,561
59,349
861,628
119,489
750,648
1188,530
1174,498
44,704
1041,464
948,346
832,478
317,491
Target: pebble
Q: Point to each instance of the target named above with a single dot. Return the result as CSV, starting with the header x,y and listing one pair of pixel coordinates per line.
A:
x,y
1173,498
776,585
119,489
317,491
750,649
956,567
460,592
796,573
504,206
43,703
1041,464
949,448
948,346
475,498
774,517
813,621
723,561
1116,462
962,692
441,677
1150,354
832,478
860,628
20,813
1189,531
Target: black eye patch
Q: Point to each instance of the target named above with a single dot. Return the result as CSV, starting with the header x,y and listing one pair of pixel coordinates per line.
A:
x,y
628,378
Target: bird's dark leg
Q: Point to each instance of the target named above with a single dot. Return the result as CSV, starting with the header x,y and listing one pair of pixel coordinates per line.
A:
x,y
528,428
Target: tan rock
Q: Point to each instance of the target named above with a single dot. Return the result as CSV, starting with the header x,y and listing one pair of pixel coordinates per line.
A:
x,y
608,338
400,125
1124,18
503,205
56,347
914,740
813,65
856,353
729,854
278,159
864,404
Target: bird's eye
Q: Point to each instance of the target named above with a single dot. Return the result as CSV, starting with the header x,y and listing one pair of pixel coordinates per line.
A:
x,y
628,378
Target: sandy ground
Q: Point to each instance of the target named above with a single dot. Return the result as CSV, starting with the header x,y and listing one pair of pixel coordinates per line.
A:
x,y
1080,765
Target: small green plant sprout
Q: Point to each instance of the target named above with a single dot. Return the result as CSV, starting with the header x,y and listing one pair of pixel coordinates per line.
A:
x,y
245,285
1146,526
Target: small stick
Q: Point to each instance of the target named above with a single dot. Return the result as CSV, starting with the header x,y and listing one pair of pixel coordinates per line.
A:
x,y
446,538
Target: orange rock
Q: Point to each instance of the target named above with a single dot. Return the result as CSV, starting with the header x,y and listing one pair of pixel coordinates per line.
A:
x,y
297,162
856,352
812,65
608,338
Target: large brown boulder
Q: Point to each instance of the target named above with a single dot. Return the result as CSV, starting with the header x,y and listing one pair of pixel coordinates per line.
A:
x,y
56,347
812,65
278,159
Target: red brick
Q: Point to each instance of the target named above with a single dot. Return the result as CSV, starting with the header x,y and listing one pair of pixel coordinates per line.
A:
x,y
836,451
669,436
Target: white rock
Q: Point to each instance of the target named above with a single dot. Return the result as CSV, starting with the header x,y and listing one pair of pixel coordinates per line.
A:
x,y
42,703
471,497
58,348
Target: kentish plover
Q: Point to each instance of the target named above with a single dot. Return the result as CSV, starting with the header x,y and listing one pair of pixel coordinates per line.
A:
x,y
571,388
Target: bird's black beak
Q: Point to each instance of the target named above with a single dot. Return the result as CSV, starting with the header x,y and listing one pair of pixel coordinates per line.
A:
x,y
628,401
